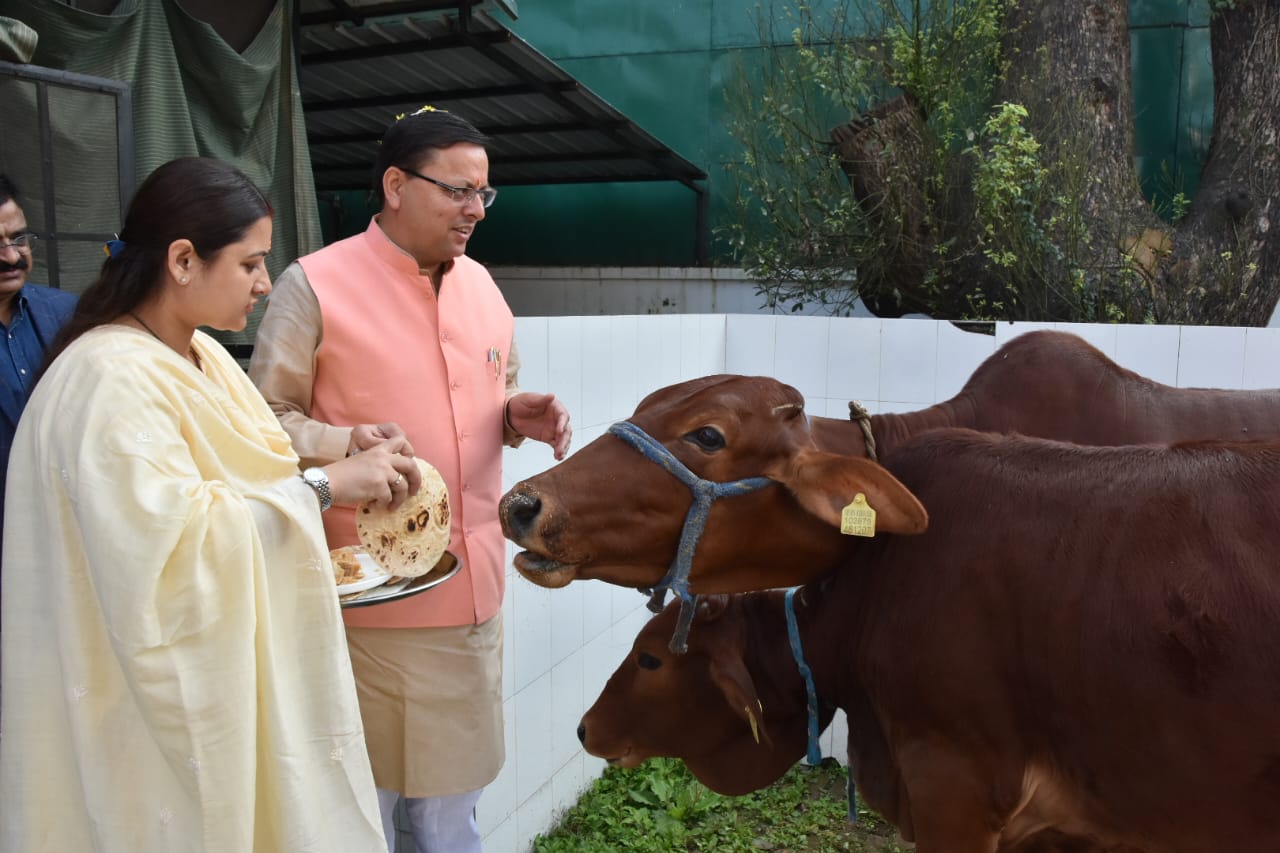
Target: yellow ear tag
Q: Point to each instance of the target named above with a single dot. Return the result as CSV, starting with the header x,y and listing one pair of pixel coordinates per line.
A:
x,y
858,518
755,728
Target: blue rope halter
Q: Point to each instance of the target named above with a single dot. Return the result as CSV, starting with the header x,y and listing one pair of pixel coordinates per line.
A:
x,y
814,753
704,492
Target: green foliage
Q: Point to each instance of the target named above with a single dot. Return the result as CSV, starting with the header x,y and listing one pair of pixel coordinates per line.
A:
x,y
659,807
800,231
953,207
1008,180
795,231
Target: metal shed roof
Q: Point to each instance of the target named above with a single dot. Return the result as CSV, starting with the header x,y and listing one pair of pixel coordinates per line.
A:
x,y
364,61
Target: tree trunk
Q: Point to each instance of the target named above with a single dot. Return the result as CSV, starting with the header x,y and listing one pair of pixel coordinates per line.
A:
x,y
1225,264
882,152
1070,65
1037,215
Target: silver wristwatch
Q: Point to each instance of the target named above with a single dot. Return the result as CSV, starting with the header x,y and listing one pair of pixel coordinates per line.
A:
x,y
317,479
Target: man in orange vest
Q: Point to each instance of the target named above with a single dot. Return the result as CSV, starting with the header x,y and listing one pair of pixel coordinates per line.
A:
x,y
393,331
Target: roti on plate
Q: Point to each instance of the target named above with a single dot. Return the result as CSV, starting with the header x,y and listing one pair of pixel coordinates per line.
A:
x,y
408,541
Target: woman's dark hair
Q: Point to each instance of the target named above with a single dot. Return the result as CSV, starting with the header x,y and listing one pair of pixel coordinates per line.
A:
x,y
414,140
211,203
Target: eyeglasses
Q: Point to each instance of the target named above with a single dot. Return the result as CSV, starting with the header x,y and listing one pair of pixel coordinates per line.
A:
x,y
24,241
460,195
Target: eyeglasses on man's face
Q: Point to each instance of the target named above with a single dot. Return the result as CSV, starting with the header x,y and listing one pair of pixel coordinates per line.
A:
x,y
25,241
460,195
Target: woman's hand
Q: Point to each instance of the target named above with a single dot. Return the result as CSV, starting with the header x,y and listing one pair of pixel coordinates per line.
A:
x,y
384,472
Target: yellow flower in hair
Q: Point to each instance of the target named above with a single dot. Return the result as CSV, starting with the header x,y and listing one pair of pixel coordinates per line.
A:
x,y
426,108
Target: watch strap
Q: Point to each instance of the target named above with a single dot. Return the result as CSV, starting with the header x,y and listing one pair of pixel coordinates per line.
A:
x,y
317,479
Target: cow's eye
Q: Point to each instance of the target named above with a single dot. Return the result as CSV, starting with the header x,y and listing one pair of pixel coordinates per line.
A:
x,y
647,661
708,438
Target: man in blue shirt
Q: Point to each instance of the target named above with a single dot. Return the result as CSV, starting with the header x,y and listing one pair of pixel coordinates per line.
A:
x,y
30,317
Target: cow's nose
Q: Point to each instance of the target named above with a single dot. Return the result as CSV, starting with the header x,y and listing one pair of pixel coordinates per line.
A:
x,y
582,733
519,513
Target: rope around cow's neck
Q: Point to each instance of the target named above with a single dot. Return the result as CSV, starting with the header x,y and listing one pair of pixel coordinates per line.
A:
x,y
813,753
859,413
704,492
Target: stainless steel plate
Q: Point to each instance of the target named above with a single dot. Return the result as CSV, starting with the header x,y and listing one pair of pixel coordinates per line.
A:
x,y
446,568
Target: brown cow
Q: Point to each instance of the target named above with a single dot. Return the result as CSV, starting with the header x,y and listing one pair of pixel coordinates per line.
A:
x,y
583,519
1085,640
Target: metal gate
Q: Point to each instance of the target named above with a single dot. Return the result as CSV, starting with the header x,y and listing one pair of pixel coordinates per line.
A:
x,y
66,141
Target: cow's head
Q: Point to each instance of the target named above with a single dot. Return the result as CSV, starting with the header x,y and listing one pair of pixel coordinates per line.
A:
x,y
610,513
735,735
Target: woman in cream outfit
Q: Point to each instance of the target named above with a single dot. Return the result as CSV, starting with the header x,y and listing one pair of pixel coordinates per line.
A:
x,y
175,675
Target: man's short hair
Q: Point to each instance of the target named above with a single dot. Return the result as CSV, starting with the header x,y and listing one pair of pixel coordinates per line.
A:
x,y
420,135
7,189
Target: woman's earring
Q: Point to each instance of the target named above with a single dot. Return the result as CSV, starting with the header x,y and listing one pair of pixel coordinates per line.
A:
x,y
184,279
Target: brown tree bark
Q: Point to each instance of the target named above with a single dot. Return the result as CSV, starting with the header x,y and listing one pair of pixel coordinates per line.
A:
x,y
1225,264
1070,65
881,151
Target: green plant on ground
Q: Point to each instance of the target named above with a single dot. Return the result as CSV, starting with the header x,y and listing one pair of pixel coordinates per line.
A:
x,y
660,807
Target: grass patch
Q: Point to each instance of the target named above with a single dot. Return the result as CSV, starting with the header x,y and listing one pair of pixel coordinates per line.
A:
x,y
660,807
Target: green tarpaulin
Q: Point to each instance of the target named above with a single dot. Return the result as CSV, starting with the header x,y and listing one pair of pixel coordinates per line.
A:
x,y
193,94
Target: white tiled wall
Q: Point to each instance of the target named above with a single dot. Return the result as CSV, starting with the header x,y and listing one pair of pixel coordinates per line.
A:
x,y
562,645
587,291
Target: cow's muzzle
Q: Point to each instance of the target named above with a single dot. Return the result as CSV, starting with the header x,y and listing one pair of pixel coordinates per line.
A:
x,y
520,513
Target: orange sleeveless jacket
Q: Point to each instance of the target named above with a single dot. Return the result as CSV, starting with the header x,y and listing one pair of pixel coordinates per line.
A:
x,y
393,351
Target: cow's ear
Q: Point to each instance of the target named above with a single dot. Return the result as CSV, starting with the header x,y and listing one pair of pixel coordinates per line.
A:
x,y
731,676
825,483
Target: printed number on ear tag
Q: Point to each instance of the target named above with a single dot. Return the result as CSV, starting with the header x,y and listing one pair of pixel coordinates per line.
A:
x,y
858,518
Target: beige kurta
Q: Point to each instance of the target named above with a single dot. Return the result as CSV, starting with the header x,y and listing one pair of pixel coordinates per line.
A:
x,y
175,674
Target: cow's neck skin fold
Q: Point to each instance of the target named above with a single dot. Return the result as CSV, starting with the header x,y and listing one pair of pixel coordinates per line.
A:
x,y
893,430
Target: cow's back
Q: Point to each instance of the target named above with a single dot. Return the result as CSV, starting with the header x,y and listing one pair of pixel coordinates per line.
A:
x,y
1057,385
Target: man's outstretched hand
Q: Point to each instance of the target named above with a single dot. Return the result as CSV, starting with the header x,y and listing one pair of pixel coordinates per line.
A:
x,y
541,417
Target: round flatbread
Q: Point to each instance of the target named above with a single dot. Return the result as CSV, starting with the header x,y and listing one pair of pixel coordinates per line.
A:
x,y
409,540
